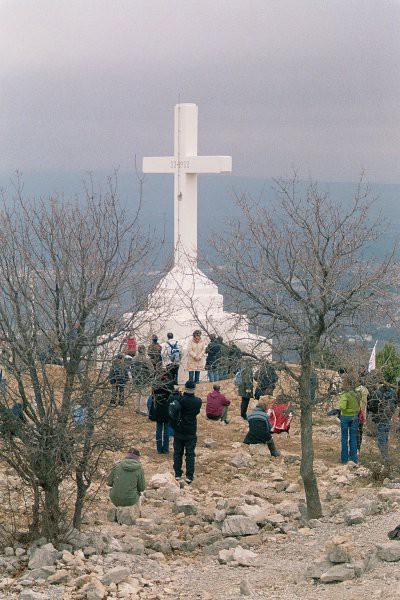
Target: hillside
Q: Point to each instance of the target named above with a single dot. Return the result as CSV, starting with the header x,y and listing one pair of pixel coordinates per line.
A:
x,y
238,530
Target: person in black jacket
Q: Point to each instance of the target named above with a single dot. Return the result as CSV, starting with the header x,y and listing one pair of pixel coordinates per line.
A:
x,y
162,388
213,359
260,429
185,437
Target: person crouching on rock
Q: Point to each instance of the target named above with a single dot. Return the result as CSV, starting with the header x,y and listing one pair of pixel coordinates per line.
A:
x,y
260,429
126,481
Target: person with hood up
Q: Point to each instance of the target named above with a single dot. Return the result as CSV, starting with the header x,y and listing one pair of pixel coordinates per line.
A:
x,y
217,405
126,480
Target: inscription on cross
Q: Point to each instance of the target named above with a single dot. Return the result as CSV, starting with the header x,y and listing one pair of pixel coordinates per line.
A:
x,y
185,165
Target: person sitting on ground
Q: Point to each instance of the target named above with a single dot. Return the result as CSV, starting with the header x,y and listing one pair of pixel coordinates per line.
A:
x,y
217,405
260,429
126,480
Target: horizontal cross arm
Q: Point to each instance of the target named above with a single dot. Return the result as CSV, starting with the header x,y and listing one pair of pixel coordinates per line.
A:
x,y
187,164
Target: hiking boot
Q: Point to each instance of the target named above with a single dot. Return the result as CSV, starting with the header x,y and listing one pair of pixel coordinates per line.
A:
x,y
273,449
188,480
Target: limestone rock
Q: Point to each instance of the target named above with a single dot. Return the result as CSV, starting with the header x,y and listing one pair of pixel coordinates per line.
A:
x,y
370,505
340,550
236,525
244,558
392,494
161,480
210,443
186,506
245,588
44,556
31,595
354,516
255,512
342,572
112,514
60,576
116,575
240,460
41,573
318,568
281,486
94,590
127,515
389,551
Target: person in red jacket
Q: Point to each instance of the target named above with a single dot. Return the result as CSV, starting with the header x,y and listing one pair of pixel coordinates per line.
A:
x,y
217,405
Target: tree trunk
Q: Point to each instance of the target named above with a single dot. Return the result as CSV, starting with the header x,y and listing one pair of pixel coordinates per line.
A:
x,y
314,508
52,513
313,502
81,489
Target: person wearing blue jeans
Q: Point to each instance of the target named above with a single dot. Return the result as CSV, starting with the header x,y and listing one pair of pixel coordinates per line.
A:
x,y
349,429
349,408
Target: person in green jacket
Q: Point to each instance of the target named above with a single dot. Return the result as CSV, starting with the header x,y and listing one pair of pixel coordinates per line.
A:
x,y
349,408
126,480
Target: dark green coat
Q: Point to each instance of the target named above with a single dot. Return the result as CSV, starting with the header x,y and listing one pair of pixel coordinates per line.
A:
x,y
245,388
126,481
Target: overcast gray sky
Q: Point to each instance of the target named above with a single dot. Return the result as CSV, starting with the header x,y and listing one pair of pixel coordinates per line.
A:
x,y
87,84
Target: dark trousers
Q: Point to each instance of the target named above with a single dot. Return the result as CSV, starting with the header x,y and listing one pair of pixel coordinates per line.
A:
x,y
244,405
117,392
173,371
162,437
181,445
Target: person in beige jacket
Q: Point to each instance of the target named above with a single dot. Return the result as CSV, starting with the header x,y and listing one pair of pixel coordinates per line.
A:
x,y
196,350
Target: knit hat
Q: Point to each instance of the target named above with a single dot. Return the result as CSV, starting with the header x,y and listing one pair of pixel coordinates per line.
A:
x,y
190,387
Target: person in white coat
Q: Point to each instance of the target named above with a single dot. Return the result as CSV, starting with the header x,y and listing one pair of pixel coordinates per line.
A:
x,y
196,350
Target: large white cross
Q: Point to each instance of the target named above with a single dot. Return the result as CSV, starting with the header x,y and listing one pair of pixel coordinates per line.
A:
x,y
185,166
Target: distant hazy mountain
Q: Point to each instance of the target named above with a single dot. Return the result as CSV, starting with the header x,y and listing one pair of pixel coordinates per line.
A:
x,y
216,197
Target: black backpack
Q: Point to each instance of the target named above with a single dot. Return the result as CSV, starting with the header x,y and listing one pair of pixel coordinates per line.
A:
x,y
175,409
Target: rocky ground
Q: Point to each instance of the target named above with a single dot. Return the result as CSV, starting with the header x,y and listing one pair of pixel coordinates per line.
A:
x,y
239,530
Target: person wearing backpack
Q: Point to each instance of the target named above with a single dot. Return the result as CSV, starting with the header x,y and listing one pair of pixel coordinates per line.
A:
x,y
195,356
161,392
349,407
171,353
260,429
185,427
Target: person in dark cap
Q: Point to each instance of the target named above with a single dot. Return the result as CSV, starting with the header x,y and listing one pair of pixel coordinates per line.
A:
x,y
185,437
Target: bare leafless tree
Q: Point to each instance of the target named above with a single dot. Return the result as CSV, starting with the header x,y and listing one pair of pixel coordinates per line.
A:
x,y
300,271
69,270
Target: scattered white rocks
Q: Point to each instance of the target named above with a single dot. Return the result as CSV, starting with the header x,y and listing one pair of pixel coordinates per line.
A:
x,y
240,460
236,525
389,551
237,556
42,557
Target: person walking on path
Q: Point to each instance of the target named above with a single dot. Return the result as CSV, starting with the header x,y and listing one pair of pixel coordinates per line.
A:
x,y
260,429
162,389
171,353
382,406
213,359
185,437
217,405
349,407
118,376
195,356
245,387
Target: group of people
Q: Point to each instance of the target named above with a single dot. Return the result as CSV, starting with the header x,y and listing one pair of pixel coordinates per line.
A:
x,y
369,400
